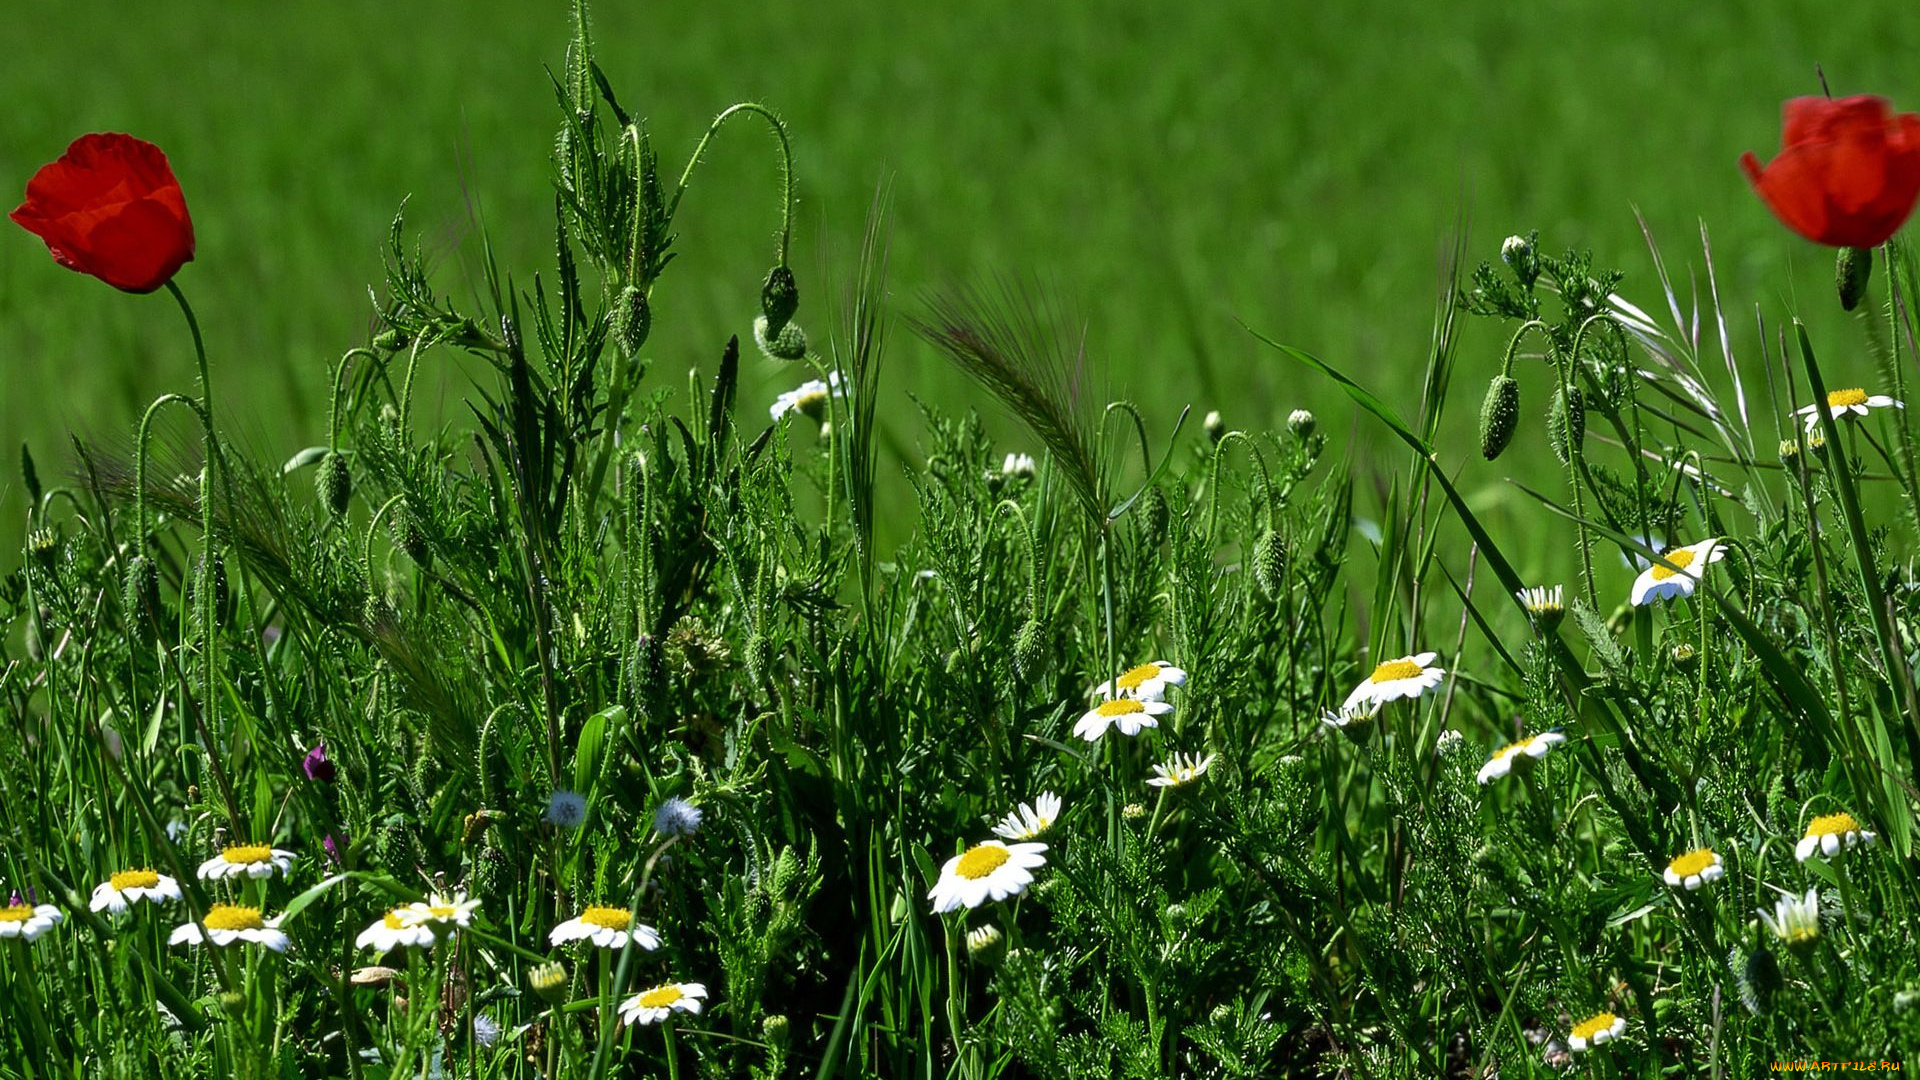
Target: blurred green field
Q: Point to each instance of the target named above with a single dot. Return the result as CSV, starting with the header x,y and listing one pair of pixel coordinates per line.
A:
x,y
1169,169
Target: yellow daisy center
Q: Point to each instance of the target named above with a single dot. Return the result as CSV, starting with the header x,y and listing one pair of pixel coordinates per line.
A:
x,y
133,879
1395,670
1587,1029
610,918
661,997
1512,748
1832,825
233,917
1679,557
980,861
396,919
1693,862
16,913
442,911
1122,707
246,854
1841,399
1136,677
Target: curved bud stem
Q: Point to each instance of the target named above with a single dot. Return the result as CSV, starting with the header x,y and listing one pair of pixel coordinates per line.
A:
x,y
786,166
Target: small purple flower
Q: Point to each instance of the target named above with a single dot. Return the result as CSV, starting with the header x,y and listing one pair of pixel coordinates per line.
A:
x,y
317,765
333,846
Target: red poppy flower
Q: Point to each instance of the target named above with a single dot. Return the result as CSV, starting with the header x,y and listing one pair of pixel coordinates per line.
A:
x,y
1848,171
110,207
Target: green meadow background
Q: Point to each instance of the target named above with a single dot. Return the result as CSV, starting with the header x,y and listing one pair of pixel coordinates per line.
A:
x,y
1171,170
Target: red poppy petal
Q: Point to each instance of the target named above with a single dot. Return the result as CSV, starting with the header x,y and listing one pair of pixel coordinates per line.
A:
x,y
1791,189
1807,120
139,248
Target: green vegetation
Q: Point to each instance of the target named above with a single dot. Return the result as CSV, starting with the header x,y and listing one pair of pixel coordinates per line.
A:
x,y
598,583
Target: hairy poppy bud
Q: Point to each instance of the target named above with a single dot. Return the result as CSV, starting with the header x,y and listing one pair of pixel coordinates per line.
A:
x,y
632,320
409,537
141,591
1269,564
1567,422
492,873
1302,422
1499,415
212,575
759,655
1029,649
392,340
789,342
1519,255
1153,517
396,848
1215,427
333,482
779,299
1851,271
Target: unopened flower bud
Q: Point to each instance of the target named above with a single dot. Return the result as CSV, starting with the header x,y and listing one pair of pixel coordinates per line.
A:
x,y
140,593
1519,255
334,483
986,944
1215,427
549,981
787,343
1270,564
1851,272
409,537
44,546
1302,422
1029,649
632,320
776,1030
779,299
1153,517
392,339
1499,415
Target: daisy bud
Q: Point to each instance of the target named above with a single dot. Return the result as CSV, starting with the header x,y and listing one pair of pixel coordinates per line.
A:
x,y
1029,649
334,483
1499,415
1269,564
409,537
1215,427
787,343
1684,657
776,1031
632,320
986,944
779,299
1567,422
549,981
233,1002
43,545
1850,273
1302,422
1519,255
1133,811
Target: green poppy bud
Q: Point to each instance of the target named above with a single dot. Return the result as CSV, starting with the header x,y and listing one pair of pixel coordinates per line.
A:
x,y
409,537
140,593
759,655
333,482
216,580
1499,415
1153,517
392,340
1851,271
492,873
632,320
789,342
1029,649
1270,564
779,299
1567,422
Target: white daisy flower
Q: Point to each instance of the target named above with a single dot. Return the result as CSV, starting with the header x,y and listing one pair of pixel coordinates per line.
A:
x,y
1795,920
1846,403
28,921
1407,677
1658,582
128,887
607,928
228,923
250,860
403,927
1694,869
1596,1029
1533,746
1030,822
809,398
989,870
1829,833
1181,770
1147,682
1130,715
655,1005
444,914
1018,466
1348,715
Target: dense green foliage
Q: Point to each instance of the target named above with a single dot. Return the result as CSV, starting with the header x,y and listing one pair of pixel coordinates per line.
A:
x,y
611,644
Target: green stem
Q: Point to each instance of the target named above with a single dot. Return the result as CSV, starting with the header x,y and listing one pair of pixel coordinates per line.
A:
x,y
786,167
